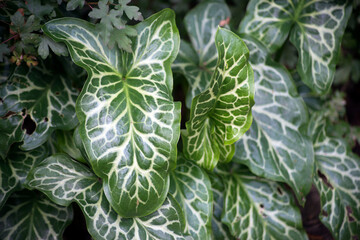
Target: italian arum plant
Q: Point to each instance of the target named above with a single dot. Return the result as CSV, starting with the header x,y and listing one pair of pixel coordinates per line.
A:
x,y
100,128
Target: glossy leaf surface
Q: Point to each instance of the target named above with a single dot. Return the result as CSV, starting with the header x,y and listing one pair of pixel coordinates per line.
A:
x,y
197,61
275,147
35,102
190,186
10,132
79,144
257,208
222,114
64,181
129,123
65,143
15,168
315,28
31,215
338,181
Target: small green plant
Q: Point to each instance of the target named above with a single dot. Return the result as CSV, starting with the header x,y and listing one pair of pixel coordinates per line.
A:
x,y
88,117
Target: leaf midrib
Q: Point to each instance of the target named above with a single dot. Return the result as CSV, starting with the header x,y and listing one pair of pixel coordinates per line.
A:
x,y
240,182
181,203
31,217
131,122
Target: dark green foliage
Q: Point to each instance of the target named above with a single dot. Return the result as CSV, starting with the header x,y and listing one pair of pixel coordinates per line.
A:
x,y
88,117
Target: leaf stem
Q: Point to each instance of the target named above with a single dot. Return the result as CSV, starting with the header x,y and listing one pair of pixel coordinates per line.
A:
x,y
5,22
10,38
96,3
87,3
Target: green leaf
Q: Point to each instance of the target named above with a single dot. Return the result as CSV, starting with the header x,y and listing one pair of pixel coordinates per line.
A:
x,y
15,168
129,123
112,26
20,26
6,69
222,114
65,143
10,132
315,28
109,19
64,181
317,40
38,9
124,35
30,215
17,20
101,12
276,146
35,102
132,12
75,73
338,181
312,100
257,208
219,229
197,61
191,187
79,144
73,4
46,43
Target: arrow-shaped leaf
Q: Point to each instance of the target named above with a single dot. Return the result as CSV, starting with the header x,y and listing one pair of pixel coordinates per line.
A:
x,y
275,147
64,181
34,103
15,168
222,114
338,181
30,215
197,61
315,27
190,186
128,121
257,208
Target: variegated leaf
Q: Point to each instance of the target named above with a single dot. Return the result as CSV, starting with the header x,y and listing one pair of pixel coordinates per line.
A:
x,y
15,168
269,21
338,181
275,147
64,181
222,114
197,61
190,186
30,215
129,123
316,28
256,208
219,229
35,102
